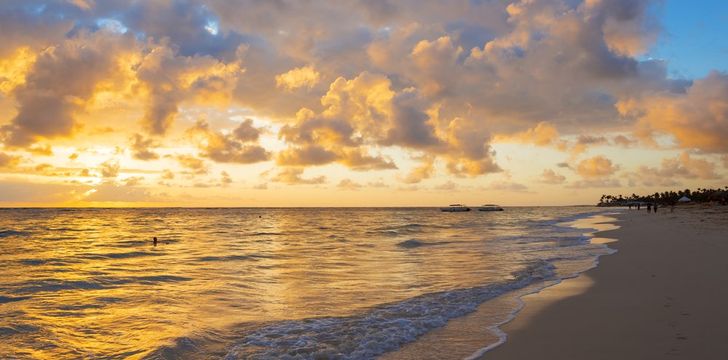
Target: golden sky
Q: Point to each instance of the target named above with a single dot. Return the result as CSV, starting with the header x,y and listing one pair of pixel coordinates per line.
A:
x,y
347,103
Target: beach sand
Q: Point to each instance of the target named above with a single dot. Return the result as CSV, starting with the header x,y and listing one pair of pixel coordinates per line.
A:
x,y
663,295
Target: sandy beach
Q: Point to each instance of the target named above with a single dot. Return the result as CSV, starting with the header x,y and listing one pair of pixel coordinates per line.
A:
x,y
661,296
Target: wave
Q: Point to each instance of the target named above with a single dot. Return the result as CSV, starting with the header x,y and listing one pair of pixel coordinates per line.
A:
x,y
384,328
7,299
414,243
228,258
9,233
97,283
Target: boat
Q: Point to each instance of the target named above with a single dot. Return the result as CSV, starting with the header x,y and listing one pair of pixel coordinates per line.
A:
x,y
455,208
490,207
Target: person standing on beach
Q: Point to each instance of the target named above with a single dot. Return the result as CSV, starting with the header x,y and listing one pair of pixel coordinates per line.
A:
x,y
638,206
649,207
654,208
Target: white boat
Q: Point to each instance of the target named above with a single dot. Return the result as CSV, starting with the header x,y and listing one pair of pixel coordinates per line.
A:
x,y
490,207
455,208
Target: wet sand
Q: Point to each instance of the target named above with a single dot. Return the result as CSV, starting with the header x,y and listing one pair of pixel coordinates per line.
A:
x,y
663,295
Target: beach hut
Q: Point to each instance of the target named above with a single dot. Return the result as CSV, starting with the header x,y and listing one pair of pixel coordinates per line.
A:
x,y
684,199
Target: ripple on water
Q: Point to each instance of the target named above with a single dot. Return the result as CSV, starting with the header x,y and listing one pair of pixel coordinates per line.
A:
x,y
10,233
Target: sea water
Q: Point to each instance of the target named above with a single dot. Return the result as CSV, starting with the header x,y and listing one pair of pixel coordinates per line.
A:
x,y
349,283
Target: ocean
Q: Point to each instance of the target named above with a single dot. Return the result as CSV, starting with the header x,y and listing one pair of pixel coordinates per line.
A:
x,y
265,283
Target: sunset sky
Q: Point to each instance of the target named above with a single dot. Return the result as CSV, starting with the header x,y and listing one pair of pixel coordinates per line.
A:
x,y
359,103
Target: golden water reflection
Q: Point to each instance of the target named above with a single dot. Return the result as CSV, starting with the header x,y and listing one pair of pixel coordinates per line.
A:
x,y
89,283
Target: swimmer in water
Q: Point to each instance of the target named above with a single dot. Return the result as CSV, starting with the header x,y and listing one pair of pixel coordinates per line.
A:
x,y
154,239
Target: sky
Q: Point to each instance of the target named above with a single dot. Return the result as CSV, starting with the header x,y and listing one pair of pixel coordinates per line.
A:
x,y
359,103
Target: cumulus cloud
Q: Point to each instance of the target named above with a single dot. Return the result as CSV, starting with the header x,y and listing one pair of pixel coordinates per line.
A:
x,y
301,77
171,78
59,84
698,118
235,147
596,167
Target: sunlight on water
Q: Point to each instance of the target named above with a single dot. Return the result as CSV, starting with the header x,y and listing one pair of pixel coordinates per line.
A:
x,y
89,283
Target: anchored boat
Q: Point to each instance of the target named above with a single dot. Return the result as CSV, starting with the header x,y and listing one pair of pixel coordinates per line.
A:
x,y
490,207
455,208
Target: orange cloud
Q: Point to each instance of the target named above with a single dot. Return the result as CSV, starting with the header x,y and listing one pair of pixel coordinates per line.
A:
x,y
697,119
596,167
672,170
296,78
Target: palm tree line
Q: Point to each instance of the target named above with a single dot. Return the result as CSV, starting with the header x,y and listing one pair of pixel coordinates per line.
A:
x,y
701,195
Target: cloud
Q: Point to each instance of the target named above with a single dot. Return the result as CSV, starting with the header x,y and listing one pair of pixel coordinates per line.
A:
x,y
292,176
549,176
112,192
29,192
235,147
624,141
225,179
543,134
167,175
58,85
140,148
596,167
424,171
8,161
672,170
356,83
301,77
348,184
195,165
307,155
171,78
109,168
698,118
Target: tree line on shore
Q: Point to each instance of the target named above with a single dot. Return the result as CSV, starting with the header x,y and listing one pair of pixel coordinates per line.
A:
x,y
700,195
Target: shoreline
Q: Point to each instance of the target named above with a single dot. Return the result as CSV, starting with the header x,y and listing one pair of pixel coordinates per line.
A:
x,y
658,297
478,333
